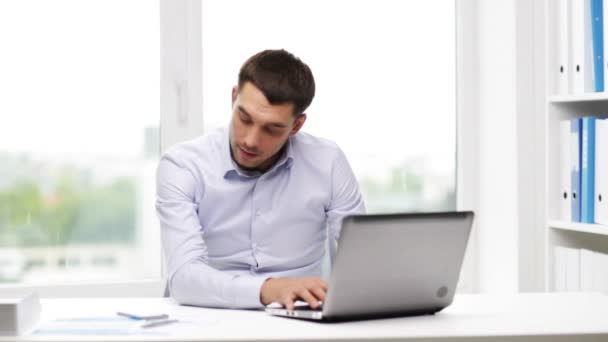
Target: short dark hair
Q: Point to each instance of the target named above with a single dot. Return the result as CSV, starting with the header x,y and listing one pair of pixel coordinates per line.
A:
x,y
281,77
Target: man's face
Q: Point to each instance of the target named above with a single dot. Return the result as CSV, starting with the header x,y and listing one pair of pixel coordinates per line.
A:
x,y
258,129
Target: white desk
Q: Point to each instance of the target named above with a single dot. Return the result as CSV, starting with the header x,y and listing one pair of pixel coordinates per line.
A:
x,y
524,317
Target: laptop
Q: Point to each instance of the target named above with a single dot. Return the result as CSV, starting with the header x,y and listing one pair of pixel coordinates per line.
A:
x,y
390,265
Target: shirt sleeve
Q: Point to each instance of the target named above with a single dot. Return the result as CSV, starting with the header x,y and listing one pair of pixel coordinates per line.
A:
x,y
190,279
346,198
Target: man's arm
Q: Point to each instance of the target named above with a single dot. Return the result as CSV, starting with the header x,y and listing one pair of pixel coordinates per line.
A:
x,y
346,198
190,280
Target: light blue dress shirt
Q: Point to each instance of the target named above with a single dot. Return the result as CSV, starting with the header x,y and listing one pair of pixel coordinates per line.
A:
x,y
225,231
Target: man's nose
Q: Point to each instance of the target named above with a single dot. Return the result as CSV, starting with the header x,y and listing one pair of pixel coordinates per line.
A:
x,y
252,139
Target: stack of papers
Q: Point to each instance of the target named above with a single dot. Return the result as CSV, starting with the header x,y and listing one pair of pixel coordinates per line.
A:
x,y
88,326
119,326
19,315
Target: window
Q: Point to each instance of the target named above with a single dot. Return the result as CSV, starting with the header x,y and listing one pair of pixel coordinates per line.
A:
x,y
79,141
386,85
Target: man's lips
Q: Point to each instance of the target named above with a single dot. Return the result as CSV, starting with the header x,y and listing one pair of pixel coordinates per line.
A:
x,y
246,154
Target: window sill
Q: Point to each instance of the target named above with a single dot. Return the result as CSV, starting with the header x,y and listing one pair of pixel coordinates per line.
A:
x,y
135,288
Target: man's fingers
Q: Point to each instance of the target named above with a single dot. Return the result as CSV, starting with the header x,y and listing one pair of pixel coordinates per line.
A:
x,y
306,296
324,285
310,290
317,282
319,292
288,301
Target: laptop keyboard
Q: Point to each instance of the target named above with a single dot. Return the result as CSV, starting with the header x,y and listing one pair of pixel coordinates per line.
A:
x,y
306,307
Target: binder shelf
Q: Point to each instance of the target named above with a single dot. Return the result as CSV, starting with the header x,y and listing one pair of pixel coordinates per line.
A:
x,y
579,227
577,98
574,161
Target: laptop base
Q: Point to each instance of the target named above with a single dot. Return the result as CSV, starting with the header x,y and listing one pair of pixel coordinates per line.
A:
x,y
317,315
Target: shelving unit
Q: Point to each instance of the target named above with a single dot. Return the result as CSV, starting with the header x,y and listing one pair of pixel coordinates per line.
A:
x,y
560,107
579,227
593,97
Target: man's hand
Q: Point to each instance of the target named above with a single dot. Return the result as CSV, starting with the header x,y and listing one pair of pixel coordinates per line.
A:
x,y
287,290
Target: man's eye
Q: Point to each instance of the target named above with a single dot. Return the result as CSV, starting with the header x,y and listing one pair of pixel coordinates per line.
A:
x,y
244,119
271,131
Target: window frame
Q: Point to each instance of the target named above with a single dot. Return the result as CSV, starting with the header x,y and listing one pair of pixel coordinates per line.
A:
x,y
467,135
181,119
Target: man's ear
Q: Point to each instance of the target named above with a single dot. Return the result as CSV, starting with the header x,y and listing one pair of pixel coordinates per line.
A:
x,y
298,124
235,92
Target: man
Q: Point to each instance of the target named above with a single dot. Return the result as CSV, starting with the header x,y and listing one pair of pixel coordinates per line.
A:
x,y
244,210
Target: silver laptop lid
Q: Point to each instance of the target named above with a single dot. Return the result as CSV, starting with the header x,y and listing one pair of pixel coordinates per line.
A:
x,y
397,263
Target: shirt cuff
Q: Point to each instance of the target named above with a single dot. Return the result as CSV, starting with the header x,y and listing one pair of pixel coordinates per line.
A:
x,y
246,291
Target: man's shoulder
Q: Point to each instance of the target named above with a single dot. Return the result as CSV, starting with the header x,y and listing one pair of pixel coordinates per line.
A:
x,y
315,151
308,142
197,149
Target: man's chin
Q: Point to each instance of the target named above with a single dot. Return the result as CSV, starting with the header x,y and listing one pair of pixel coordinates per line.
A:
x,y
248,166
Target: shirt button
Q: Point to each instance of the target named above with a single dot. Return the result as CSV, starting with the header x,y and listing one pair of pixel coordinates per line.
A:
x,y
258,213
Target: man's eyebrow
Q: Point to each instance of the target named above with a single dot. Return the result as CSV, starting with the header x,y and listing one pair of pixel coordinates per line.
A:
x,y
277,125
274,124
241,109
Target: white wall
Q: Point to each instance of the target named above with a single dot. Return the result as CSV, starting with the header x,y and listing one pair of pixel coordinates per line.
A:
x,y
498,215
505,100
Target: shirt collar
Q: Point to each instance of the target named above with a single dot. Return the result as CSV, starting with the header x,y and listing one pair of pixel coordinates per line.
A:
x,y
229,166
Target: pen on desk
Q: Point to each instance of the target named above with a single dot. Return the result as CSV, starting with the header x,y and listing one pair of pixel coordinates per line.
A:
x,y
157,323
144,318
